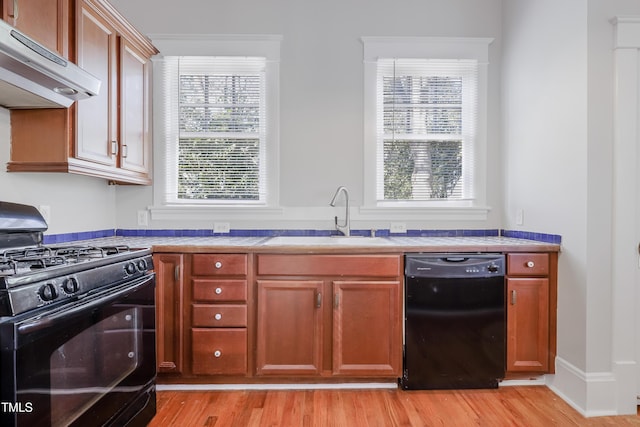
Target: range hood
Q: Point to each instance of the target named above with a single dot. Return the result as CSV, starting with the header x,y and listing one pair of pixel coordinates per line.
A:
x,y
32,76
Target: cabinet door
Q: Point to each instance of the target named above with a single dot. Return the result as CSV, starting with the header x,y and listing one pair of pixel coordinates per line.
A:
x,y
367,328
42,20
289,337
169,312
96,117
527,324
134,106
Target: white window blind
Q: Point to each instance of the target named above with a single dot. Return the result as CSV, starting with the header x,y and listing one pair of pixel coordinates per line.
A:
x,y
215,130
426,126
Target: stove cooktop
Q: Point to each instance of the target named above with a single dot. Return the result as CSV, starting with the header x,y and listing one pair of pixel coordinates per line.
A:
x,y
36,277
31,259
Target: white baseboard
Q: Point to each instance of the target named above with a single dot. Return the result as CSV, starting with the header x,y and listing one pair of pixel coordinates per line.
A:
x,y
302,386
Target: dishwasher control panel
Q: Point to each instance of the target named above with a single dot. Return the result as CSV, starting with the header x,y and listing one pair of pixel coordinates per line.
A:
x,y
449,265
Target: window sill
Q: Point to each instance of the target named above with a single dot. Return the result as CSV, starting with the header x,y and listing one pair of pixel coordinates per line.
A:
x,y
439,213
201,213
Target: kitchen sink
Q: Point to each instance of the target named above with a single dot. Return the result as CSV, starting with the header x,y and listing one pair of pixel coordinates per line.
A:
x,y
327,241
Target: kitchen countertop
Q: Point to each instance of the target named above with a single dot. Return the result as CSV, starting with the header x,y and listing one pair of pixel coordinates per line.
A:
x,y
327,244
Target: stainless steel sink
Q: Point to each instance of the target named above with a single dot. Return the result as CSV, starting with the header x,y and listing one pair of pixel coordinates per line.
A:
x,y
327,241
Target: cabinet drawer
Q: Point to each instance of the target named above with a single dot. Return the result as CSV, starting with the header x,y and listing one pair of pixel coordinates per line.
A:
x,y
330,265
528,264
219,264
219,290
219,351
209,315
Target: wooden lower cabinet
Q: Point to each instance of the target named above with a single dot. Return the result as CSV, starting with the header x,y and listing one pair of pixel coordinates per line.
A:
x,y
531,313
169,312
367,328
528,324
290,326
218,296
344,320
259,317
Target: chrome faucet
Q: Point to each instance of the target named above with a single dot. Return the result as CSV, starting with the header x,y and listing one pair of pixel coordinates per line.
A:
x,y
346,227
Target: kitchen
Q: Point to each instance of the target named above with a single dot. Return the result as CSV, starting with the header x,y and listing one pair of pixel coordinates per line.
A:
x,y
550,154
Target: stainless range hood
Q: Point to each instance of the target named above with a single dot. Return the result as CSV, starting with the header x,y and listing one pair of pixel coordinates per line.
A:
x,y
32,76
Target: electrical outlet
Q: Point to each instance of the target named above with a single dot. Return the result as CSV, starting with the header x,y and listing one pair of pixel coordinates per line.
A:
x,y
45,211
520,217
143,218
221,227
398,227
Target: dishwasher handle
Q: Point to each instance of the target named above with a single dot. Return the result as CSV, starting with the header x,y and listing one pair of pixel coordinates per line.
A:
x,y
455,259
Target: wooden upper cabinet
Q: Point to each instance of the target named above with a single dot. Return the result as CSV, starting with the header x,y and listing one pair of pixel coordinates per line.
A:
x,y
97,116
106,136
134,112
46,21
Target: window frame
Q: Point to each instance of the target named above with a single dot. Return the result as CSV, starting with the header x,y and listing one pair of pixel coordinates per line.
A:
x,y
268,47
424,48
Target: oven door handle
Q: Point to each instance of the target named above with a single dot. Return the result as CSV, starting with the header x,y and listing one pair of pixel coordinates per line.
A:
x,y
47,320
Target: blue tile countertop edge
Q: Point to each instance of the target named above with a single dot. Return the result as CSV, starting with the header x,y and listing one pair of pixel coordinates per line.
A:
x,y
88,235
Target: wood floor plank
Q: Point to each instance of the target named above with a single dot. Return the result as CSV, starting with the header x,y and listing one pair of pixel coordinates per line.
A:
x,y
506,406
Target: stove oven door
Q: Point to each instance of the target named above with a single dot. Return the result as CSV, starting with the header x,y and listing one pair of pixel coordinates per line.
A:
x,y
89,364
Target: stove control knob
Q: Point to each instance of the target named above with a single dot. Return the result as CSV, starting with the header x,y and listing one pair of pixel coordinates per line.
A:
x,y
130,268
70,285
142,265
48,292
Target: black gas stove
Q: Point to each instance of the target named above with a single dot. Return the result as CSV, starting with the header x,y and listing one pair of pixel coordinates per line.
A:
x,y
33,276
77,329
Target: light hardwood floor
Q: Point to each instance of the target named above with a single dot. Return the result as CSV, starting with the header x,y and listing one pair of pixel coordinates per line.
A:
x,y
507,406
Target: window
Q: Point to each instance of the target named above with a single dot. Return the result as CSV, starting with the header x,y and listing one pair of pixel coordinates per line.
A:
x,y
216,125
424,122
221,138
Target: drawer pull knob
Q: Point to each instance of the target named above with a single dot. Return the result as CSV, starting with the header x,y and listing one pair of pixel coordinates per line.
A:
x,y
218,316
218,291
218,264
217,353
531,264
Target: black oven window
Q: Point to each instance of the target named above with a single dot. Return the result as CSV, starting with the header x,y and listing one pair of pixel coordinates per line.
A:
x,y
92,363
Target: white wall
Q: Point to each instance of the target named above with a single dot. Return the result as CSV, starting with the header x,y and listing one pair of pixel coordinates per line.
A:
x,y
77,203
557,140
321,97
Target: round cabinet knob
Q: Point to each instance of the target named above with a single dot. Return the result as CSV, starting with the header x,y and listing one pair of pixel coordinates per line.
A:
x,y
218,291
218,316
531,264
218,264
217,353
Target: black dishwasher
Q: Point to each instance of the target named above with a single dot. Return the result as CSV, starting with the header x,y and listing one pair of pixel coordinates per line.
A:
x,y
454,321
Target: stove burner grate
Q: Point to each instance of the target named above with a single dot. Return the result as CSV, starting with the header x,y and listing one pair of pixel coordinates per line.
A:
x,y
16,261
